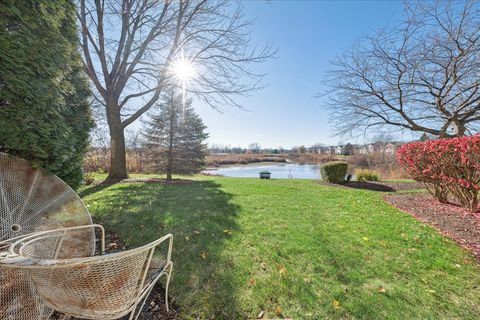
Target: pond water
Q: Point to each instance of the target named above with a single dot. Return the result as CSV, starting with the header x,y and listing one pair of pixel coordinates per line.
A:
x,y
278,170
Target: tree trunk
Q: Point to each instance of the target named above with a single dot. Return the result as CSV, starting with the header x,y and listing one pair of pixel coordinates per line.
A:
x,y
170,143
459,128
474,202
118,161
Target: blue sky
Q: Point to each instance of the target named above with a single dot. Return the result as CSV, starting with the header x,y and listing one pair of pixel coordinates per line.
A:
x,y
308,35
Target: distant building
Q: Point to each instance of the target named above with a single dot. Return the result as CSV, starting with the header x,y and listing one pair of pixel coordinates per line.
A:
x,y
366,149
387,148
362,149
390,148
325,150
338,150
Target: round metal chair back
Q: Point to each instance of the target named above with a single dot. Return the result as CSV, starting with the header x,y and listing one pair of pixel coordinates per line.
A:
x,y
32,200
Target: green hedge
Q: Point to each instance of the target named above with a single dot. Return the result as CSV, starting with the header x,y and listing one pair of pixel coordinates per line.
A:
x,y
44,94
334,171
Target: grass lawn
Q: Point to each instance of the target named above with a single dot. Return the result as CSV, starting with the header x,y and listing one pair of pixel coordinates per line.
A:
x,y
292,248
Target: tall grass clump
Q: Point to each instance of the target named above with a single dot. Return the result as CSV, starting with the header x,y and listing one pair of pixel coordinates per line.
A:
x,y
366,175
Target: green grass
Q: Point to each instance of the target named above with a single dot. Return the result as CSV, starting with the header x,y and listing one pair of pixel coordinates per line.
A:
x,y
293,248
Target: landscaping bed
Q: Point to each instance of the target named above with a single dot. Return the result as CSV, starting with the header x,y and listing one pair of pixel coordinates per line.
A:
x,y
451,220
383,186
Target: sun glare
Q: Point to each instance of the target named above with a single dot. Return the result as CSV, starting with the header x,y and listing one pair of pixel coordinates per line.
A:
x,y
183,70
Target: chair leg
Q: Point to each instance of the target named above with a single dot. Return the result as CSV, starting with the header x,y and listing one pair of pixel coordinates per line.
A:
x,y
136,311
139,306
166,285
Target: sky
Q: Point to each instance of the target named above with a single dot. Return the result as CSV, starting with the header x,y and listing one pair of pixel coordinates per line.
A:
x,y
308,36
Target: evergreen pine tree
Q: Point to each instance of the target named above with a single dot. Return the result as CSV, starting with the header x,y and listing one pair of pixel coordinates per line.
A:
x,y
44,108
175,138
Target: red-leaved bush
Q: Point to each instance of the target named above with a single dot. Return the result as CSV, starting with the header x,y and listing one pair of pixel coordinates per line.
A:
x,y
446,167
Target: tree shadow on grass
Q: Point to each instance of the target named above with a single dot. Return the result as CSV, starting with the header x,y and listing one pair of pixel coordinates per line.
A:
x,y
366,185
91,189
202,219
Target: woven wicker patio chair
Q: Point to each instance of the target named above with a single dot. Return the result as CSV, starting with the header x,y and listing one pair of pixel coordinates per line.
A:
x,y
33,200
105,286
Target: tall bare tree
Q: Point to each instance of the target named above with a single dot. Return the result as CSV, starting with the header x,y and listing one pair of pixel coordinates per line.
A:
x,y
423,75
130,48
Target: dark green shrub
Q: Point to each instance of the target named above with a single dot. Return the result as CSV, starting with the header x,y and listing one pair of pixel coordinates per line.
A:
x,y
44,95
334,171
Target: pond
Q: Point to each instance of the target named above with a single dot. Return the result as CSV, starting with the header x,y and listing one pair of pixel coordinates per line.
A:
x,y
278,170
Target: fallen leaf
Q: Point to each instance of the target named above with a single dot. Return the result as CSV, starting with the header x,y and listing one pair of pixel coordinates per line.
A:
x,y
336,304
204,255
251,283
365,239
278,310
381,289
282,270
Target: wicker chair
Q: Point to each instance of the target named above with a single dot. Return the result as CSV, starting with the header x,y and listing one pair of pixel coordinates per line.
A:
x,y
99,287
32,200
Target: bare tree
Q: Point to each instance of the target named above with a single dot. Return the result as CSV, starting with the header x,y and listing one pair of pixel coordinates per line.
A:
x,y
254,147
316,147
382,137
423,75
133,139
130,48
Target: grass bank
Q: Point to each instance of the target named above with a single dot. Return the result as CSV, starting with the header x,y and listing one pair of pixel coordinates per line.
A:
x,y
292,248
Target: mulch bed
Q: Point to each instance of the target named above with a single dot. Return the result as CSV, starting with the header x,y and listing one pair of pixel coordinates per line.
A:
x,y
449,219
154,308
378,185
